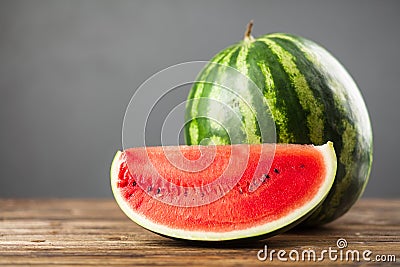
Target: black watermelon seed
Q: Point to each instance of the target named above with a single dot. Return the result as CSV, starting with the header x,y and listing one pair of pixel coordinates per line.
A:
x,y
149,188
240,190
266,176
302,166
276,170
158,190
134,183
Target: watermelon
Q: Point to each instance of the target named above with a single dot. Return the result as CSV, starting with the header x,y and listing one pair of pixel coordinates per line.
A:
x,y
157,192
311,97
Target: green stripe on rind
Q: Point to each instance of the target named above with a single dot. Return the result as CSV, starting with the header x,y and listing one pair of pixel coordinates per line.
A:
x,y
262,76
270,94
192,132
246,107
289,122
217,92
315,117
213,85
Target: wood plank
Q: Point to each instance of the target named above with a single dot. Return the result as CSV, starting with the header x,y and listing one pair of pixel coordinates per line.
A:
x,y
67,232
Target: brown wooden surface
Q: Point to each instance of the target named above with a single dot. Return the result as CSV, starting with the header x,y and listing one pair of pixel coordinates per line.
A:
x,y
96,232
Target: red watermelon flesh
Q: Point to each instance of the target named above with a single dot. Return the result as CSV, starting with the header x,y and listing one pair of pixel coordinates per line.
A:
x,y
148,182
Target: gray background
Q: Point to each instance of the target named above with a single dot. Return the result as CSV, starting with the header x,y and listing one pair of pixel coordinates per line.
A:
x,y
69,68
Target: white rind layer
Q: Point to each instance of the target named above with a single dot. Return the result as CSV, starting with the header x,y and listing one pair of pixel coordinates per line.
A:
x,y
329,156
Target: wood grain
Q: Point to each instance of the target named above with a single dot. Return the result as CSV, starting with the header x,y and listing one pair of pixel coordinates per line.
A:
x,y
94,232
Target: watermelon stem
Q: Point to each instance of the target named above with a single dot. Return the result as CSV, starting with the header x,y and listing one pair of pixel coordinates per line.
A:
x,y
247,34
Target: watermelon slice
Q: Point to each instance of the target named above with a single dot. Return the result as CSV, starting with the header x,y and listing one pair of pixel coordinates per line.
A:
x,y
239,193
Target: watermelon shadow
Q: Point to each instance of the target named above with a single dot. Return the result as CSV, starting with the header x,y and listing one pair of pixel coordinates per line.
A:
x,y
293,238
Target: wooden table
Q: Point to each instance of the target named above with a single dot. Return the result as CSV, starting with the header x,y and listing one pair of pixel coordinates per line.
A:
x,y
95,232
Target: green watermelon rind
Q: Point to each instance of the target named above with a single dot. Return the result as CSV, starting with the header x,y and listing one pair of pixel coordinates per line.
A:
x,y
268,229
312,98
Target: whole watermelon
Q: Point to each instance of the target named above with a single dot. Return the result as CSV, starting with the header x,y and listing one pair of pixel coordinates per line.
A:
x,y
312,98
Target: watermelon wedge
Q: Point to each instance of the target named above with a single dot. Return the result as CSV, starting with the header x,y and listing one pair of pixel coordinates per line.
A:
x,y
218,201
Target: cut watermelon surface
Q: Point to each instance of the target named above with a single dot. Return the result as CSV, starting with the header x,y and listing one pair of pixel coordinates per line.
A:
x,y
217,201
